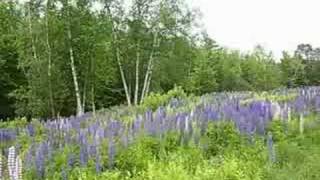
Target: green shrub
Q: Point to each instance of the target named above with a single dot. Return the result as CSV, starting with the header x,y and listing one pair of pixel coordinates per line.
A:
x,y
136,157
180,164
173,170
16,123
221,135
155,100
277,128
171,142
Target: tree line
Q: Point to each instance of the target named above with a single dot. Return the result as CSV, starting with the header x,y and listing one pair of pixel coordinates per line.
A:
x,y
63,57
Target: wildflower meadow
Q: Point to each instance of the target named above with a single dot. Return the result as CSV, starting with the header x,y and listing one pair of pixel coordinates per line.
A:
x,y
228,135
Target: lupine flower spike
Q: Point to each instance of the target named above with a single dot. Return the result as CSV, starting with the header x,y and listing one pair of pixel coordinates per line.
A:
x,y
18,172
12,162
0,167
301,124
272,154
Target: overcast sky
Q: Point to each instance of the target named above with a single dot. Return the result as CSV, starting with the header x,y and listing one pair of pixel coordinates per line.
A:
x,y
276,24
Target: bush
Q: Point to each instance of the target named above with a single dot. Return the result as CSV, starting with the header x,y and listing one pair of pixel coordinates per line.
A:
x,y
16,123
155,100
136,157
278,130
221,135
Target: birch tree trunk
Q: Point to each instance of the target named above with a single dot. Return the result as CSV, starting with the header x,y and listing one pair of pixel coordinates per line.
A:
x,y
149,81
74,76
93,103
85,84
148,74
123,78
136,93
151,71
34,51
73,70
51,102
115,40
84,95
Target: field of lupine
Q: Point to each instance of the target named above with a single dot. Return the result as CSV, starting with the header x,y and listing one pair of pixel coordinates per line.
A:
x,y
236,135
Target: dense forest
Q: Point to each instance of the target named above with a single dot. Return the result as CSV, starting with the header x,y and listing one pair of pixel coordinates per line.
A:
x,y
64,57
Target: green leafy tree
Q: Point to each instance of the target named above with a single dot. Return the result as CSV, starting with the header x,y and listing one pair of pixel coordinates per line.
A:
x,y
293,70
11,75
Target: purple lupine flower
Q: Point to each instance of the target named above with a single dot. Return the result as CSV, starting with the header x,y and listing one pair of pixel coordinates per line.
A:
x,y
40,161
111,152
1,166
196,137
113,128
83,155
136,125
317,103
100,134
30,130
71,160
124,139
98,163
92,150
271,149
64,175
150,127
7,135
29,157
299,104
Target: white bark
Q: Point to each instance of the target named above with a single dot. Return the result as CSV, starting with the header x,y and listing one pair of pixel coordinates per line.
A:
x,y
93,104
148,74
84,94
115,39
49,63
34,51
123,78
136,93
74,72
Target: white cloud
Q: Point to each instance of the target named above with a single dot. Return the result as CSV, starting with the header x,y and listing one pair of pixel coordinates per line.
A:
x,y
277,24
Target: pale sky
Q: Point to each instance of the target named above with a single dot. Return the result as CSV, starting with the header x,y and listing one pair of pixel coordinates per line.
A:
x,y
276,24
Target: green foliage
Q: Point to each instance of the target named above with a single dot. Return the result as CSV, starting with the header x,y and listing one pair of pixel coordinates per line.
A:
x,y
11,77
165,171
260,70
297,162
203,78
277,128
221,135
155,100
293,71
171,142
15,123
136,157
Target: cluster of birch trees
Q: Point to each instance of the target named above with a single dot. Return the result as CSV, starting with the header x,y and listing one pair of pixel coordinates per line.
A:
x,y
65,57
79,55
